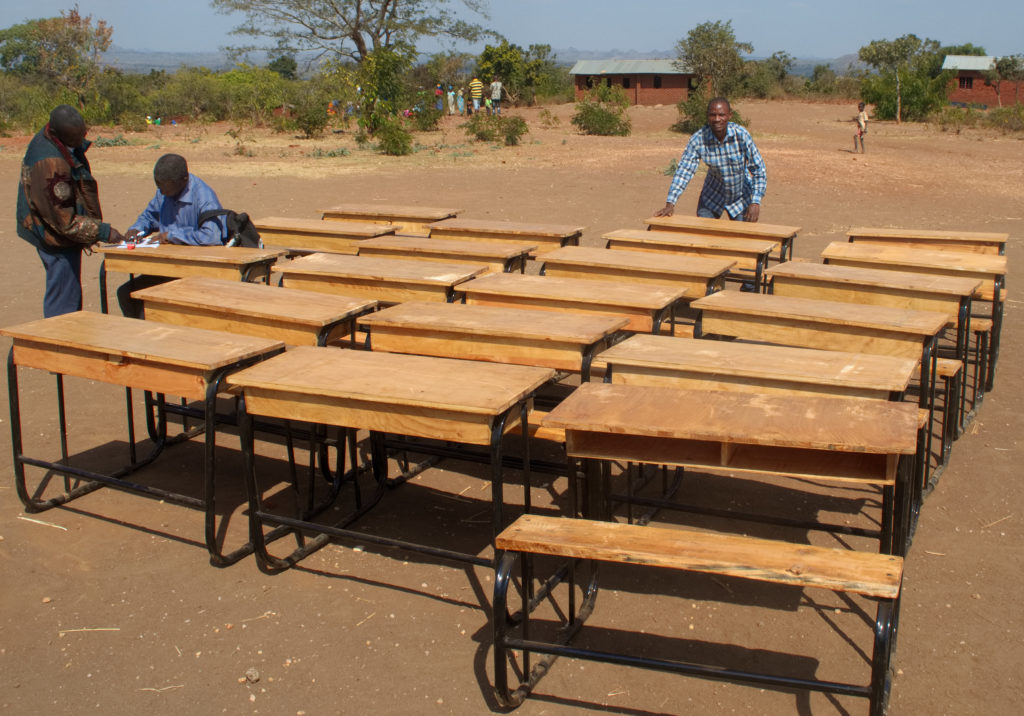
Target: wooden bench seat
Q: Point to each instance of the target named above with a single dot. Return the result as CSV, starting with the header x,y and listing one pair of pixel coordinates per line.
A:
x,y
545,236
498,257
725,227
876,576
405,220
307,235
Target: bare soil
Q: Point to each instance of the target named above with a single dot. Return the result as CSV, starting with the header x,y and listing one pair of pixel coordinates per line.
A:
x,y
109,605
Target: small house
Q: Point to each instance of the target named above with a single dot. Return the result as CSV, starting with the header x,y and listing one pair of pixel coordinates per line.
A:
x,y
971,87
646,82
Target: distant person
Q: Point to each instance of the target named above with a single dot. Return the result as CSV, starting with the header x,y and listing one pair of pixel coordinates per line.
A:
x,y
172,216
736,178
439,98
476,93
451,101
862,127
460,101
496,95
58,208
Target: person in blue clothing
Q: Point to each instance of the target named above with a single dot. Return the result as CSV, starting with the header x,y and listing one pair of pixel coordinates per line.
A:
x,y
172,216
736,179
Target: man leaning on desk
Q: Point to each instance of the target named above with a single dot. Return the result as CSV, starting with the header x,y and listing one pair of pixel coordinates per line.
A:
x,y
172,216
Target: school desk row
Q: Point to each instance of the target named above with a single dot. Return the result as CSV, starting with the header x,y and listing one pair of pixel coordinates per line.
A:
x,y
793,432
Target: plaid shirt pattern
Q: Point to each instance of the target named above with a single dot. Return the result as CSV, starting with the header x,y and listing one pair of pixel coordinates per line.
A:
x,y
736,172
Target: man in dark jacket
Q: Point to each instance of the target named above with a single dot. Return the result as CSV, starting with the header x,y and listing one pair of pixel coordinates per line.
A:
x,y
59,207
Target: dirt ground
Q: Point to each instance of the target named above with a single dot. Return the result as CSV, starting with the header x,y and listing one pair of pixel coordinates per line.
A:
x,y
110,606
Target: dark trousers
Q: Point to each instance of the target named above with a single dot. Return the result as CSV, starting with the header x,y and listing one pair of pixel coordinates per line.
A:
x,y
63,281
132,307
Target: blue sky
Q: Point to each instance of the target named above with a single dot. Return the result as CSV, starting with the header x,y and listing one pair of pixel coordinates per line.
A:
x,y
803,28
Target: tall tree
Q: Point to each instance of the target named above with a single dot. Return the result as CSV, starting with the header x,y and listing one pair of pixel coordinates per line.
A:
x,y
351,29
712,53
896,56
1005,69
61,51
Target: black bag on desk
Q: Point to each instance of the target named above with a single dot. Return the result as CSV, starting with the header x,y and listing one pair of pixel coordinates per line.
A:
x,y
241,232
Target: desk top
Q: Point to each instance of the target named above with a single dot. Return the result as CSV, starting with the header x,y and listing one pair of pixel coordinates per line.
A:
x,y
389,211
256,300
917,258
701,241
578,290
929,234
779,363
228,255
853,275
117,336
638,261
470,249
515,228
343,229
520,323
807,422
395,378
905,320
381,269
723,226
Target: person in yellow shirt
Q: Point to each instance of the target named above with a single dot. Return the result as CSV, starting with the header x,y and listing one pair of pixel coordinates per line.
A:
x,y
476,93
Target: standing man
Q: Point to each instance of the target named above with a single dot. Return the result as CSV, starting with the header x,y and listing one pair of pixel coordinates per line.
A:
x,y
736,178
496,95
59,207
173,216
476,93
862,127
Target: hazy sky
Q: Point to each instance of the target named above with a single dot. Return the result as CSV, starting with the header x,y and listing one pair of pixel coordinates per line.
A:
x,y
803,28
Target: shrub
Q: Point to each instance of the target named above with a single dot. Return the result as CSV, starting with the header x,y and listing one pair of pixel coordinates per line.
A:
x,y
118,141
602,111
955,118
489,128
512,128
311,117
1006,119
393,139
426,119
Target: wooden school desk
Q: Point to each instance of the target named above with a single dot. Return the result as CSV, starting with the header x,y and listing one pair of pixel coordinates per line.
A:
x,y
298,318
699,276
378,279
235,263
562,341
406,220
498,257
545,236
982,242
305,235
174,360
724,227
754,367
750,255
466,402
646,306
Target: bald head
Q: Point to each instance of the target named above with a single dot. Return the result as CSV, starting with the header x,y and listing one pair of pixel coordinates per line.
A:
x,y
68,125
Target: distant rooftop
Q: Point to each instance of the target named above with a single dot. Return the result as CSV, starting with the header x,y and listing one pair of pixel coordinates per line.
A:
x,y
981,63
626,67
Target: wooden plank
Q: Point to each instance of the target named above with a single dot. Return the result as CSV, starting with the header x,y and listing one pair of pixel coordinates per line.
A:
x,y
697,275
721,227
497,257
471,332
876,575
178,261
813,423
408,220
316,234
721,365
984,267
896,289
984,242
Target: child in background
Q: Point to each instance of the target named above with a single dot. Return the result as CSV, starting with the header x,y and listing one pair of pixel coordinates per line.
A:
x,y
862,128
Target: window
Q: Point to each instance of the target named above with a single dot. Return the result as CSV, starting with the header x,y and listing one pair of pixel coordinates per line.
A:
x,y
625,83
657,81
967,83
607,81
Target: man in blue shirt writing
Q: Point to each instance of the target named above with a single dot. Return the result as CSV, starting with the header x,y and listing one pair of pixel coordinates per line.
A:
x,y
736,178
172,216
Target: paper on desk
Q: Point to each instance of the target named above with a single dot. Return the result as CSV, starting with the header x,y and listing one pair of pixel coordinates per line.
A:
x,y
143,244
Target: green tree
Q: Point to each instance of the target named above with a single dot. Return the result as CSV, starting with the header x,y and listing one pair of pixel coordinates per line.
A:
x,y
58,51
524,73
284,65
900,59
351,28
603,111
712,53
1010,69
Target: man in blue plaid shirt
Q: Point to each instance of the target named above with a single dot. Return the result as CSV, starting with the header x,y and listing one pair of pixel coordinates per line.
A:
x,y
736,178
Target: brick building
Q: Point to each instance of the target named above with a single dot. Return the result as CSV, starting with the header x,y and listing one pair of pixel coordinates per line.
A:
x,y
646,82
970,88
